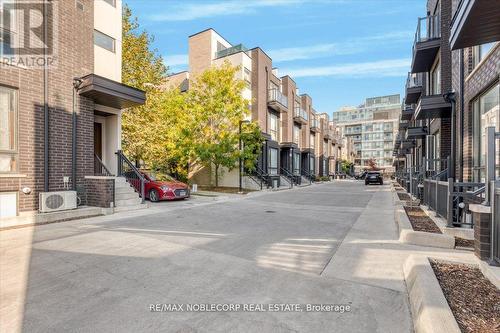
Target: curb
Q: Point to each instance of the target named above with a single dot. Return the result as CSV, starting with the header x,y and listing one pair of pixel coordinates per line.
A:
x,y
465,233
409,236
429,308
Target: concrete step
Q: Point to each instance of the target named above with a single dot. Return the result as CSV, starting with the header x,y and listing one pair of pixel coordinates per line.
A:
x,y
126,195
123,189
131,207
127,202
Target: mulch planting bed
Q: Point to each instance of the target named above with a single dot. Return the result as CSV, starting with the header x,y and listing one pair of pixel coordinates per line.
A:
x,y
420,221
462,242
404,196
473,299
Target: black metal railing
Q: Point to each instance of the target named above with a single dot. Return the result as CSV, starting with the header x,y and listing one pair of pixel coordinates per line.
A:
x,y
99,167
289,177
133,176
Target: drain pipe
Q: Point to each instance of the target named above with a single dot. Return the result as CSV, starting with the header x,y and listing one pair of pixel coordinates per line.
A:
x,y
450,97
462,109
76,84
46,117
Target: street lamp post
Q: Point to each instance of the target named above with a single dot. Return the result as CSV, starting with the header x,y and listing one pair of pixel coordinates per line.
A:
x,y
240,190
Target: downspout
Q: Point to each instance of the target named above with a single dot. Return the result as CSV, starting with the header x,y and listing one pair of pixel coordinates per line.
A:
x,y
462,116
76,84
450,97
46,117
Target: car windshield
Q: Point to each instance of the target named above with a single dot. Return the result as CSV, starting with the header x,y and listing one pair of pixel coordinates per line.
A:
x,y
160,177
373,173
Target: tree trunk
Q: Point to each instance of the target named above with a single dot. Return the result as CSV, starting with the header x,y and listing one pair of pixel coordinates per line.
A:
x,y
216,175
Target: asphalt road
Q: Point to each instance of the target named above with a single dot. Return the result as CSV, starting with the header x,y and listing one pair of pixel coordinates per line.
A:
x,y
106,274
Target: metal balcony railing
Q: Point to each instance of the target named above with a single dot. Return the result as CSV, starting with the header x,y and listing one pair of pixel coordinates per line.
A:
x,y
300,112
276,96
231,50
314,122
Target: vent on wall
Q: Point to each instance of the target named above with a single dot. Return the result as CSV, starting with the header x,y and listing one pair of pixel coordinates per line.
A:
x,y
79,5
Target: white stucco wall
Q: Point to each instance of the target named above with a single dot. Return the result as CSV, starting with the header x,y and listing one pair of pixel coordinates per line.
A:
x,y
108,20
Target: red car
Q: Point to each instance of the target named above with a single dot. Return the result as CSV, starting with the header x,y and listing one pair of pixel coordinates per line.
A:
x,y
163,187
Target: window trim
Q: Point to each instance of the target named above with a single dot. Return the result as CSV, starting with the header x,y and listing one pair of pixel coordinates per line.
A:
x,y
485,58
14,152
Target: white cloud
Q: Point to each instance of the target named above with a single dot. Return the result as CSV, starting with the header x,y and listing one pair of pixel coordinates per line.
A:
x,y
193,11
352,46
175,60
382,68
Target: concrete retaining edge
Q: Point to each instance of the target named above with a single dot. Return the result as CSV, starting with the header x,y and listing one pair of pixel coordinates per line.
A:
x,y
441,223
429,308
409,236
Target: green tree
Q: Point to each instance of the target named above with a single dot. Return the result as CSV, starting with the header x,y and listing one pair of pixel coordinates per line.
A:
x,y
144,69
216,109
346,166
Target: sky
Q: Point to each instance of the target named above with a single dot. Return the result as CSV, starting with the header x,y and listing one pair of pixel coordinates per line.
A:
x,y
338,51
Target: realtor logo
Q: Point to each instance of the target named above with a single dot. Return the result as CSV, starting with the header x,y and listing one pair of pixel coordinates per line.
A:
x,y
28,34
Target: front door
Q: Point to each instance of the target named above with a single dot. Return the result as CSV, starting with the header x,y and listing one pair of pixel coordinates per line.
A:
x,y
97,146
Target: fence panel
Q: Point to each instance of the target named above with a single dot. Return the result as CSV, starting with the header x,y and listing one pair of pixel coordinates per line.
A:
x,y
442,199
496,224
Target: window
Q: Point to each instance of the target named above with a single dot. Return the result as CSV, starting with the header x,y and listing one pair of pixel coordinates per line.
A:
x,y
437,145
312,140
486,113
480,52
111,2
8,130
435,87
296,134
296,163
272,161
312,168
104,41
8,35
247,76
274,126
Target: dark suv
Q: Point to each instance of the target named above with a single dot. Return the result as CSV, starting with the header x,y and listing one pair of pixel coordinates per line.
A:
x,y
373,177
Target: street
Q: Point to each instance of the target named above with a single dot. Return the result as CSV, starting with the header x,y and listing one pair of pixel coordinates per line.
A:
x,y
325,244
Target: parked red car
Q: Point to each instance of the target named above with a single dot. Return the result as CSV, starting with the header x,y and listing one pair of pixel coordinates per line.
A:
x,y
164,187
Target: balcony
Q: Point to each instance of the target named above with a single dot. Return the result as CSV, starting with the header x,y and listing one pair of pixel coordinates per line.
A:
x,y
475,22
299,115
315,124
414,84
277,101
403,125
426,44
433,106
231,50
407,113
416,132
408,144
328,134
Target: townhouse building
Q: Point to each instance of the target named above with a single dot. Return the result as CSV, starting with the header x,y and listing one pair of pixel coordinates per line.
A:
x,y
373,127
60,125
290,125
452,99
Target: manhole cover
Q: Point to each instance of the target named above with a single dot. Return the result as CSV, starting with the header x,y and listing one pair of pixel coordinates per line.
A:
x,y
270,211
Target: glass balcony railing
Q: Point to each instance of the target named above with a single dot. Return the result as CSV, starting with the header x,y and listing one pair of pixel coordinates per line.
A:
x,y
300,112
276,96
428,28
414,80
231,50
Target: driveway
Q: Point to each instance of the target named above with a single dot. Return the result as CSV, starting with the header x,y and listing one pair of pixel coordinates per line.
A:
x,y
106,273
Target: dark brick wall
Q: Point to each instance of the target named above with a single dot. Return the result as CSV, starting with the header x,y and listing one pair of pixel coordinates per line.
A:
x,y
99,192
482,235
75,58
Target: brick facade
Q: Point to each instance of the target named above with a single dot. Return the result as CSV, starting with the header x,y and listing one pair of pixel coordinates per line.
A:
x,y
99,192
75,58
482,235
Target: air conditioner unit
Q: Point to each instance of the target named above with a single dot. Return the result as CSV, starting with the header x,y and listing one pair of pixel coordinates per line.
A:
x,y
55,201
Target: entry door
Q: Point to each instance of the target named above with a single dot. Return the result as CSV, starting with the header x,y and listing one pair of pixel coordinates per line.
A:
x,y
97,146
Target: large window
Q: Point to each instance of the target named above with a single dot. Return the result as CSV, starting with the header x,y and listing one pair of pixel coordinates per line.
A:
x,y
485,114
296,134
272,161
8,35
8,130
312,140
274,129
104,41
247,76
480,51
296,163
436,79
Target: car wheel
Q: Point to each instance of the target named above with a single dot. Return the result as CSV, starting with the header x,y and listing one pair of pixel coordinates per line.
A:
x,y
153,196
